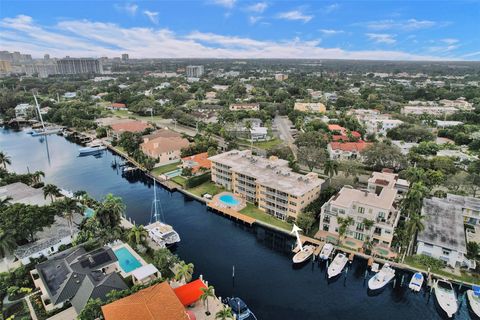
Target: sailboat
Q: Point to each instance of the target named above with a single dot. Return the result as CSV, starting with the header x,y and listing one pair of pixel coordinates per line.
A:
x,y
44,131
161,233
304,252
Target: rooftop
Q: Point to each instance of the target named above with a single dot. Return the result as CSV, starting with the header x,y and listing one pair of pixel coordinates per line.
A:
x,y
272,172
157,302
161,133
197,161
350,146
131,126
22,193
161,145
347,196
443,225
464,202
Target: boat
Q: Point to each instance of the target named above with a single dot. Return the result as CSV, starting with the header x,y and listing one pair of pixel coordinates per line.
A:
x,y
337,265
239,308
91,149
160,232
45,131
326,251
446,298
473,297
382,278
304,252
416,282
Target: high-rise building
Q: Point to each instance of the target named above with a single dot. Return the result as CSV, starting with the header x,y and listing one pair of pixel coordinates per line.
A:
x,y
125,57
79,65
46,56
5,66
194,71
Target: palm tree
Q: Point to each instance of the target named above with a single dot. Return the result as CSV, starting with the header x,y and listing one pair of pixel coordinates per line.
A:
x,y
414,225
5,202
69,207
37,176
248,126
51,190
5,159
207,293
330,168
224,314
344,223
367,223
412,203
111,211
137,234
184,271
7,243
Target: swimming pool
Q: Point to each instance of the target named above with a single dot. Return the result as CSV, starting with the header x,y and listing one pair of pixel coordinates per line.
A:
x,y
89,212
229,200
173,173
126,260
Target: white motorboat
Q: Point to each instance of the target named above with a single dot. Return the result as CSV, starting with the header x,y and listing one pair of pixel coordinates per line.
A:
x,y
91,149
303,254
326,251
446,298
239,308
416,282
337,265
473,297
382,278
45,131
160,232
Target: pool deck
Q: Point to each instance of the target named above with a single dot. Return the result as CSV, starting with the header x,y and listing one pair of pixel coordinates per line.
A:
x,y
231,213
119,245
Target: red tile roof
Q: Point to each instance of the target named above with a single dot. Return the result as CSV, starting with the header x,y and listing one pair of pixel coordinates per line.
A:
x,y
350,146
118,105
131,126
201,159
335,127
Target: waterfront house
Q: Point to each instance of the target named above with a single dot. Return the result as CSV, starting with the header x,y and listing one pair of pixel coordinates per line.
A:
x,y
198,163
75,276
129,126
50,239
244,107
362,205
268,183
444,235
314,107
22,110
161,133
165,149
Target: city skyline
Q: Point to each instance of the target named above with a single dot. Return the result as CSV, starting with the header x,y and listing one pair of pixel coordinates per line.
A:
x,y
243,29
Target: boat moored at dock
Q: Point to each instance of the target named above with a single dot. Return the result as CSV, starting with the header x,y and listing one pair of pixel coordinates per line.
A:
x,y
473,297
337,265
416,282
91,149
239,308
446,298
382,278
326,251
304,252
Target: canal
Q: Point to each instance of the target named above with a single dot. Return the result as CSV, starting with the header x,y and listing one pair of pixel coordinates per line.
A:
x,y
264,276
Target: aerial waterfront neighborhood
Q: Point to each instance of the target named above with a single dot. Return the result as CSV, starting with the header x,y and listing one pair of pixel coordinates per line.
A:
x,y
244,178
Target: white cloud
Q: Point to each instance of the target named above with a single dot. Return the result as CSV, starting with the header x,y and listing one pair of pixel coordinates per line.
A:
x,y
449,41
295,15
332,7
130,8
405,25
153,16
254,19
381,38
225,3
83,38
331,32
258,7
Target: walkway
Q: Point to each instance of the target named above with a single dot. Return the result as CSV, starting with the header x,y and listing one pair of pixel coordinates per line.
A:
x,y
30,306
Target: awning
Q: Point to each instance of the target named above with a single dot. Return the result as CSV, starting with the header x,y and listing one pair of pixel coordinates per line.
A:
x,y
190,292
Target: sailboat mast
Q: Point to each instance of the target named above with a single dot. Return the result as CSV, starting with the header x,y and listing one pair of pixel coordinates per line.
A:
x,y
38,110
155,212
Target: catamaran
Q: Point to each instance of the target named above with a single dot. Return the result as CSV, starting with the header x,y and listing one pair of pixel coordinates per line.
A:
x,y
416,282
446,298
326,251
380,280
337,265
161,233
304,252
44,130
474,299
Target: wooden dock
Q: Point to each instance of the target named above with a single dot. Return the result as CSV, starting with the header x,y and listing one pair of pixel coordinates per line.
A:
x,y
232,213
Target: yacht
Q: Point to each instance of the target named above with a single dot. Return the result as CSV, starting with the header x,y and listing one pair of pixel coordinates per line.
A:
x,y
239,308
380,280
474,300
326,251
446,298
416,282
91,149
160,232
337,265
45,131
303,254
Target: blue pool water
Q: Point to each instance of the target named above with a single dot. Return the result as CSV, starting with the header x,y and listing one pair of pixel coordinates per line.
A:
x,y
127,261
174,173
229,200
89,212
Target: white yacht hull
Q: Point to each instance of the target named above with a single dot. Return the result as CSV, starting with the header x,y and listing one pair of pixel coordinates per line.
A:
x,y
474,302
326,251
337,265
446,300
382,278
303,255
416,282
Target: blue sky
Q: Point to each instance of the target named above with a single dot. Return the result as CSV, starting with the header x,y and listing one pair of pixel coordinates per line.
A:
x,y
397,30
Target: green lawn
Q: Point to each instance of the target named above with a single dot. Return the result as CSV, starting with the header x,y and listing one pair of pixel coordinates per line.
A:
x,y
252,211
179,180
268,144
207,187
165,168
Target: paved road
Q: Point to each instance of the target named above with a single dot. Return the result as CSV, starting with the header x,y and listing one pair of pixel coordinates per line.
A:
x,y
283,125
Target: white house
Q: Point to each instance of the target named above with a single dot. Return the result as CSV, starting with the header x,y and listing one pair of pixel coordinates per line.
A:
x,y
22,109
381,126
444,235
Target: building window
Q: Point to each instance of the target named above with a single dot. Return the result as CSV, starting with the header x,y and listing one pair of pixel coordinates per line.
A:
x,y
361,210
445,252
